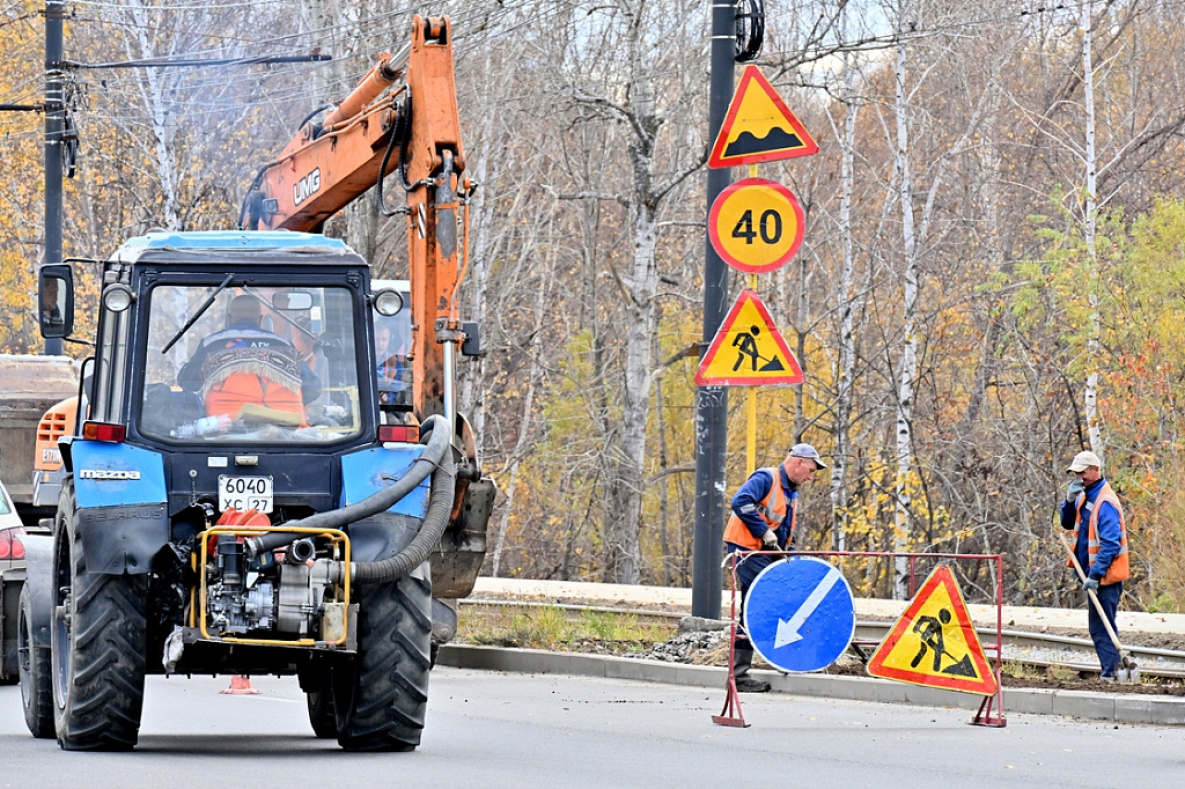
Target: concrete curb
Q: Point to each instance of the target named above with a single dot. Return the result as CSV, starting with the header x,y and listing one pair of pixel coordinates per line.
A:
x,y
1120,708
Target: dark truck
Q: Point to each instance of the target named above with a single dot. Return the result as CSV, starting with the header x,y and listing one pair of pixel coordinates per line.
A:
x,y
30,387
255,511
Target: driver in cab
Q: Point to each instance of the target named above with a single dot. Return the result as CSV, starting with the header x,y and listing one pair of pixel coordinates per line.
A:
x,y
244,364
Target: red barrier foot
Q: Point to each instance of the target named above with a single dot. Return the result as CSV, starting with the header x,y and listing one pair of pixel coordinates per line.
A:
x,y
731,715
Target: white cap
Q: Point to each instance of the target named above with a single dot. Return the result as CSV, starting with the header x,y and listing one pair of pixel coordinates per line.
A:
x,y
1083,461
808,452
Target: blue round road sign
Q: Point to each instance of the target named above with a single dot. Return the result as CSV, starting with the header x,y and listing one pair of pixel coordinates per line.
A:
x,y
799,614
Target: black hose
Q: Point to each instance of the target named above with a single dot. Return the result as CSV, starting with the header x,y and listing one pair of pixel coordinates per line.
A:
x,y
434,453
401,133
440,507
750,29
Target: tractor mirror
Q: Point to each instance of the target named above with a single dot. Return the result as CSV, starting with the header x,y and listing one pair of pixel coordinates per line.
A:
x,y
55,299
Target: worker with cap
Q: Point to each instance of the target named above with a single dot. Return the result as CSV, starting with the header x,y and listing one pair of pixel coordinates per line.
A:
x,y
763,519
1092,510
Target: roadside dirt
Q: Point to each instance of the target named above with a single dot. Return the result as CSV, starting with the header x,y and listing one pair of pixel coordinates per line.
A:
x,y
710,648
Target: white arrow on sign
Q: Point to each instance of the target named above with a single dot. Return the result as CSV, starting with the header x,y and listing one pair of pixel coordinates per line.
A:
x,y
788,629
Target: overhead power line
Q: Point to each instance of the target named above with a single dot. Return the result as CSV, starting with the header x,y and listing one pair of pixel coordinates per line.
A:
x,y
192,63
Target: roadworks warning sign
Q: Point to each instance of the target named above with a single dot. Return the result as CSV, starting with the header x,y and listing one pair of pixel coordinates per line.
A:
x,y
934,642
748,350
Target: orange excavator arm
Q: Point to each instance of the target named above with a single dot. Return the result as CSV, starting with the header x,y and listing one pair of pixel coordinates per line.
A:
x,y
400,116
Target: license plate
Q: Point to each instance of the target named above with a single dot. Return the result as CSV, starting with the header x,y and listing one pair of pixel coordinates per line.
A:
x,y
245,493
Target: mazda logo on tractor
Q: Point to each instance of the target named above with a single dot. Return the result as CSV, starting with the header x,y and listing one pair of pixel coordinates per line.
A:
x,y
99,474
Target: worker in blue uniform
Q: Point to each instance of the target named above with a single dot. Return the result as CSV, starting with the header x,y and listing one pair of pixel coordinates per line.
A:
x,y
1093,512
763,519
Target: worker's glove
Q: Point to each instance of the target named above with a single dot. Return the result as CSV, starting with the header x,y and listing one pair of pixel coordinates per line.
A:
x,y
769,540
1076,487
1091,585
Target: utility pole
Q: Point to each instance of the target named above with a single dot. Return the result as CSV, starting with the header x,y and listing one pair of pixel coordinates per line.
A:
x,y
711,407
55,124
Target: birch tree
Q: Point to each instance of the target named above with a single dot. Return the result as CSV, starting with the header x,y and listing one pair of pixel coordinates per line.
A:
x,y
1090,226
846,353
630,96
907,367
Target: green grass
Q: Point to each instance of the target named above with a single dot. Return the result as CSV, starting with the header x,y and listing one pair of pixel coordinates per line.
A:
x,y
1021,670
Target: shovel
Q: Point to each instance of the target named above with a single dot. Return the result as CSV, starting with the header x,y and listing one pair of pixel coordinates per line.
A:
x,y
1128,671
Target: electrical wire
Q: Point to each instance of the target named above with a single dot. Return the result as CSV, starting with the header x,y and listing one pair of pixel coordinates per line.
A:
x,y
490,28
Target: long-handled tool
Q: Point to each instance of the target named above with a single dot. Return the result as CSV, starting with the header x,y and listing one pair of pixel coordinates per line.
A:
x,y
1128,671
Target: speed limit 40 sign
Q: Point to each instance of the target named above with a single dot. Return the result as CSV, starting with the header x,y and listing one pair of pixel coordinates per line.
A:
x,y
756,225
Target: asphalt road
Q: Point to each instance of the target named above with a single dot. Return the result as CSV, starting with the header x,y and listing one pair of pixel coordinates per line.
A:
x,y
506,730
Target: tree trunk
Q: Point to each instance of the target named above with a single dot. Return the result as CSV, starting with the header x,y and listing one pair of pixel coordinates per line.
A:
x,y
1090,231
908,366
845,363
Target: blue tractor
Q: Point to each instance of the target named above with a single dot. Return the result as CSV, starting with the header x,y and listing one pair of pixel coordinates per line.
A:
x,y
240,499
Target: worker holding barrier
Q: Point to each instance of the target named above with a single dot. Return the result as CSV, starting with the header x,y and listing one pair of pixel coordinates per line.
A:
x,y
764,512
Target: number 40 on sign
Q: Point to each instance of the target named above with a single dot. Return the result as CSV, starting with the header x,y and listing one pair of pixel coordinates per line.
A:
x,y
756,225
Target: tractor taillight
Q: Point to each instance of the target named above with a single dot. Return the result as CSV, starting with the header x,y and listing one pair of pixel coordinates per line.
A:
x,y
406,434
104,431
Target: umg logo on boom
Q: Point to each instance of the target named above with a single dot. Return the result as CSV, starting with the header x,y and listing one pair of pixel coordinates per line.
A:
x,y
306,187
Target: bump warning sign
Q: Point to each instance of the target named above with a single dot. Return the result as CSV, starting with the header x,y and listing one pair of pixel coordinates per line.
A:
x,y
759,127
934,642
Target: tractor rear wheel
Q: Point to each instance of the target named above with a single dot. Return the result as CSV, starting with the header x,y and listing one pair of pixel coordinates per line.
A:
x,y
382,697
99,638
322,710
36,685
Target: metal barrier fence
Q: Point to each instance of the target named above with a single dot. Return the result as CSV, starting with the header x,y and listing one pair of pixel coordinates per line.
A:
x,y
991,709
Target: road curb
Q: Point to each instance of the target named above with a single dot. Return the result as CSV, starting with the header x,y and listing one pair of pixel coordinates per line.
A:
x,y
1120,708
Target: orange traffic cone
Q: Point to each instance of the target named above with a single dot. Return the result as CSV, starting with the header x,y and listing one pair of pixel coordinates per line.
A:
x,y
240,685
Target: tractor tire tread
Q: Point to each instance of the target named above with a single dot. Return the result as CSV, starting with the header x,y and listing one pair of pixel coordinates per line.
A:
x,y
36,682
391,670
109,625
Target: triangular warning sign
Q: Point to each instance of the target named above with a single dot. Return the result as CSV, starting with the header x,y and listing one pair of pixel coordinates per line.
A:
x,y
759,126
747,350
934,642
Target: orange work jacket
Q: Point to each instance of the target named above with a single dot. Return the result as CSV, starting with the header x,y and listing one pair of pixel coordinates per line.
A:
x,y
772,510
1120,567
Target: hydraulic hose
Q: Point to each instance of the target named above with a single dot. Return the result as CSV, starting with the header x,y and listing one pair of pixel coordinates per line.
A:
x,y
435,454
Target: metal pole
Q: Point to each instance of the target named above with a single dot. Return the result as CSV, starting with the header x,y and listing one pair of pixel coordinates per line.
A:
x,y
55,113
711,414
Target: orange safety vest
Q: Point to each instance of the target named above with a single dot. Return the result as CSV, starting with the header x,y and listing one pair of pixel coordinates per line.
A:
x,y
238,389
1120,568
267,376
772,510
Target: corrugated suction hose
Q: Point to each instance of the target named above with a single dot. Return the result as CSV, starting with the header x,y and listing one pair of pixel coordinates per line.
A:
x,y
437,460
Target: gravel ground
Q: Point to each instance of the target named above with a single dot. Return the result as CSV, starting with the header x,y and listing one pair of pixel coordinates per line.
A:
x,y
710,647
